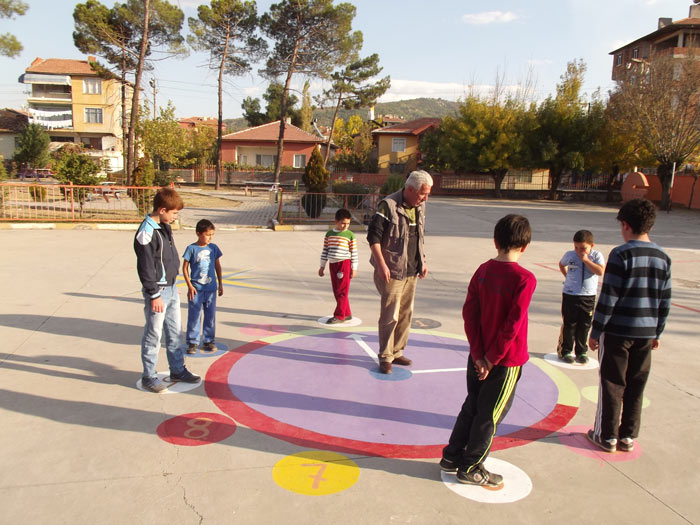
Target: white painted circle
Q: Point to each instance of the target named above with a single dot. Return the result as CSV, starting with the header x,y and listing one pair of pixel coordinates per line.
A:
x,y
553,359
355,321
591,393
173,388
516,484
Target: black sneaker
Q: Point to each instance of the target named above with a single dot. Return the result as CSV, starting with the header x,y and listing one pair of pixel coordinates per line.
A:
x,y
626,445
582,359
608,445
209,347
185,377
568,359
348,318
448,465
479,476
191,348
334,320
153,384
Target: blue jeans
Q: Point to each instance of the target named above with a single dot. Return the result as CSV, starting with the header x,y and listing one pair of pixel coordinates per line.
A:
x,y
157,323
203,299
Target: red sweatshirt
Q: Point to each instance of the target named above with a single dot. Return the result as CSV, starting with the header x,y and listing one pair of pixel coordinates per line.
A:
x,y
495,312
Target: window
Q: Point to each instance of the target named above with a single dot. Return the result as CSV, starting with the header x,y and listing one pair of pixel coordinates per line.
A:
x,y
93,115
92,86
618,59
243,160
635,52
299,161
265,161
398,144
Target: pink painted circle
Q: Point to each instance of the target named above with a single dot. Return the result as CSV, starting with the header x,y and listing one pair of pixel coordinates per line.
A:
x,y
574,439
197,428
263,330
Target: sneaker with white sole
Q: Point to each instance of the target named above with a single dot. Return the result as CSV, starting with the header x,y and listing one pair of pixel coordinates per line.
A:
x,y
153,384
479,476
626,445
447,465
608,445
185,377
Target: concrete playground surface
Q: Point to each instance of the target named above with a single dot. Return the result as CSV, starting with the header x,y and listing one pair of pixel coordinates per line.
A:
x,y
292,424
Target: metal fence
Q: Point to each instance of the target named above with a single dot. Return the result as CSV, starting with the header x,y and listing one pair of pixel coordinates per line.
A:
x,y
299,208
68,202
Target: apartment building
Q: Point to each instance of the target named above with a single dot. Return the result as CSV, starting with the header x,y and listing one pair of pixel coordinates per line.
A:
x,y
74,104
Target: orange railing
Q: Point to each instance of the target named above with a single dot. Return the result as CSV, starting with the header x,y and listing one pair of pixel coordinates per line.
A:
x,y
74,203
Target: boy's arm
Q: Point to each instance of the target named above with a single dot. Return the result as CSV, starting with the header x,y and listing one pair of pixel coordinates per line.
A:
x,y
354,258
324,256
517,316
471,313
191,291
609,295
217,268
563,269
146,263
595,267
664,305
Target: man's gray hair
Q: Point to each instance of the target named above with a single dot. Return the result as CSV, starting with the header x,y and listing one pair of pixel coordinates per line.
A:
x,y
419,178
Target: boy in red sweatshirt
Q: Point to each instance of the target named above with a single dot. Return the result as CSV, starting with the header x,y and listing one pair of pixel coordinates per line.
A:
x,y
495,321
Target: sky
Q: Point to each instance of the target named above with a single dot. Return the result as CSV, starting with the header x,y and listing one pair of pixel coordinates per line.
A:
x,y
433,48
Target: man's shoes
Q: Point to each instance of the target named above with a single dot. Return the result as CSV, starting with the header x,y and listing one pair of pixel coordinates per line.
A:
x,y
568,359
185,377
626,444
447,465
334,320
385,367
582,359
209,347
479,476
153,384
191,348
403,361
608,445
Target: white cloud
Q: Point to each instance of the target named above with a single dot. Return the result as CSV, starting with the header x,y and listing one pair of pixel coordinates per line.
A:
x,y
489,17
540,62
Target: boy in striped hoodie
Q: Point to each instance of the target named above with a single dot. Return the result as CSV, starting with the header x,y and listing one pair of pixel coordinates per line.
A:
x,y
628,321
340,250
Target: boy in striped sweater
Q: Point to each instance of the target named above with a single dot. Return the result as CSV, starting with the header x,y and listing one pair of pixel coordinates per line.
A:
x,y
340,250
628,321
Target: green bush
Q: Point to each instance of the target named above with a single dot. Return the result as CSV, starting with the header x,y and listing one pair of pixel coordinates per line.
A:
x,y
163,178
393,184
37,193
355,190
316,177
3,171
313,203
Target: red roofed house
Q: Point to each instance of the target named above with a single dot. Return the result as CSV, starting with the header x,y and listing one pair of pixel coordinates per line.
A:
x,y
258,146
12,122
198,122
398,146
671,38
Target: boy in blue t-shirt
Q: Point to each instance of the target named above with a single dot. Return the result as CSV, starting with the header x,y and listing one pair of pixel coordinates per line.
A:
x,y
581,267
202,270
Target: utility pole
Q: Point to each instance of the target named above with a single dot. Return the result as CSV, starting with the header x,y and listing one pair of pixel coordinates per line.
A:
x,y
152,83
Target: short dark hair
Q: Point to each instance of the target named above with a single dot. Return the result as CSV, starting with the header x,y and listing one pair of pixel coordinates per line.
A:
x,y
342,214
512,231
583,236
204,225
169,199
640,214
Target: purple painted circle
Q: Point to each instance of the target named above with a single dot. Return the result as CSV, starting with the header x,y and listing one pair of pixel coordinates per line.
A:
x,y
321,383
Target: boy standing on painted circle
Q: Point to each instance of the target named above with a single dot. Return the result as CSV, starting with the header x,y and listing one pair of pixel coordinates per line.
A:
x,y
202,270
495,317
581,268
340,251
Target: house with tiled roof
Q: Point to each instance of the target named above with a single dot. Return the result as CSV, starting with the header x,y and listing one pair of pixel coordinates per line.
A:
x,y
74,104
257,146
671,38
192,123
398,146
12,122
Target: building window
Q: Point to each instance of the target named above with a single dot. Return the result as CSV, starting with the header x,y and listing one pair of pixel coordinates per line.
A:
x,y
243,160
93,115
618,59
398,144
92,86
635,52
266,161
299,161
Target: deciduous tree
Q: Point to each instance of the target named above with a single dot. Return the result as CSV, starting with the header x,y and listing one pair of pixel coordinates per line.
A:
x,y
9,45
164,141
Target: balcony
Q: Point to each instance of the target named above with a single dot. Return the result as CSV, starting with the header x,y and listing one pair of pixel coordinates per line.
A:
x,y
60,118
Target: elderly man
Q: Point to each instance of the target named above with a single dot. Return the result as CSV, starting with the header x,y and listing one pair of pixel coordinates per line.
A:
x,y
395,237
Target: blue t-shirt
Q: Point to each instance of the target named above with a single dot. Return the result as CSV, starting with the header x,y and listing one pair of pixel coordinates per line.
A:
x,y
577,283
202,268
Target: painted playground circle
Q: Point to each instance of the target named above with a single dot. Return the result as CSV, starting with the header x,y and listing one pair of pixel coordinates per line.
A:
x,y
319,389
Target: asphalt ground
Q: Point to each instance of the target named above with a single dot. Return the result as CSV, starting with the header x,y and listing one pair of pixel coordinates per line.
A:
x,y
79,441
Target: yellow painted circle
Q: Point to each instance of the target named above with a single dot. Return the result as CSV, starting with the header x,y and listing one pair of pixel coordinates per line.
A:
x,y
316,473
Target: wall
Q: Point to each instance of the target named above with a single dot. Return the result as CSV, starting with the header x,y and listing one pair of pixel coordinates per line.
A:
x,y
680,193
385,156
228,150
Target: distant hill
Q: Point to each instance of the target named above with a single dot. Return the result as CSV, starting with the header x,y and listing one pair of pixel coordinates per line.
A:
x,y
406,109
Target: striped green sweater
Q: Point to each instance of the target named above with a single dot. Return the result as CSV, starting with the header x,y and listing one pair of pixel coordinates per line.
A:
x,y
339,246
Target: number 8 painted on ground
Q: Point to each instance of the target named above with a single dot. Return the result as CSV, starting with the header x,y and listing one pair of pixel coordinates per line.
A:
x,y
197,425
